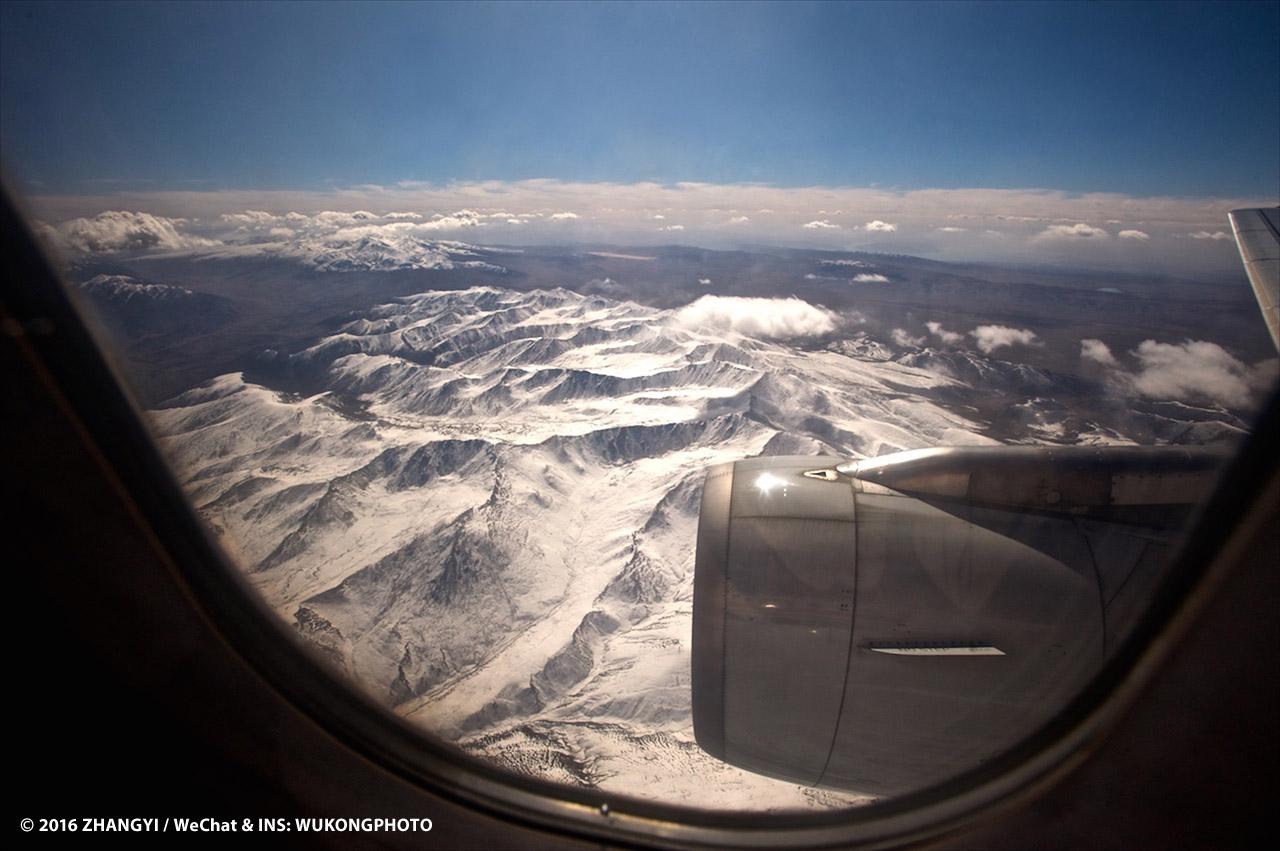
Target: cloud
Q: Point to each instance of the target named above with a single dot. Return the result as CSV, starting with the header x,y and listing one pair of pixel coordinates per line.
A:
x,y
672,227
902,337
1191,371
866,278
878,226
1134,234
820,224
1199,369
120,230
564,215
993,337
1096,351
950,338
706,282
658,217
723,216
250,218
1076,231
453,221
769,318
338,218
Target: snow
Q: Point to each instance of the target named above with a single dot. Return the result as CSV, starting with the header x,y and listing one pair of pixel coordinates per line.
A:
x,y
484,510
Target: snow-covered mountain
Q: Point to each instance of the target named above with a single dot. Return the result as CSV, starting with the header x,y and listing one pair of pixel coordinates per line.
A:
x,y
139,308
381,252
123,288
482,506
358,248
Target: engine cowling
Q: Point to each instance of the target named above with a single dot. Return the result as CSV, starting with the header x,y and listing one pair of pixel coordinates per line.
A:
x,y
846,634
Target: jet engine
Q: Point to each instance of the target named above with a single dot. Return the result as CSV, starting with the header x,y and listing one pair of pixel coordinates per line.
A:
x,y
883,625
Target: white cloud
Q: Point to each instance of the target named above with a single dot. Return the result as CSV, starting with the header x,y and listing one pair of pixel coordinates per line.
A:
x,y
950,338
658,217
440,221
821,224
338,218
1191,371
902,337
878,226
1199,369
706,282
1215,235
950,229
993,337
564,215
672,227
867,278
845,262
1134,234
739,220
1076,231
770,318
120,230
346,227
1096,351
250,218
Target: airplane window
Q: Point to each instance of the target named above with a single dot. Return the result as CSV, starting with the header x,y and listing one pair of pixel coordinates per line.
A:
x,y
698,462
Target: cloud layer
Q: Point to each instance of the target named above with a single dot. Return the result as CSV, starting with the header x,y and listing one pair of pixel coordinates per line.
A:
x,y
1093,230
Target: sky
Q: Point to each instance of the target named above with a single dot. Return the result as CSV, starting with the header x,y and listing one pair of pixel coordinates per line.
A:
x,y
1149,105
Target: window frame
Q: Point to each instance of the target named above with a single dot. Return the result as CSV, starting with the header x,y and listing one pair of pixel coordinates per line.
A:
x,y
39,309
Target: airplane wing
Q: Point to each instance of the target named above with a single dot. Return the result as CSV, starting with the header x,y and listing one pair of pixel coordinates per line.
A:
x,y
1258,236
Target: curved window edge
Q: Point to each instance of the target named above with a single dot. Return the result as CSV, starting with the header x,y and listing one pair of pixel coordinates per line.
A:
x,y
41,313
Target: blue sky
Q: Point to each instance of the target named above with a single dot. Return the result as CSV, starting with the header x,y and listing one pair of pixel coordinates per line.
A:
x,y
1145,99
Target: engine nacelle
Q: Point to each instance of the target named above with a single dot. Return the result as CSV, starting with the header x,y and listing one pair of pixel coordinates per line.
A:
x,y
848,635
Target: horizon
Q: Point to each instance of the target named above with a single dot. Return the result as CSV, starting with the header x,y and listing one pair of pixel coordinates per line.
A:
x,y
956,132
